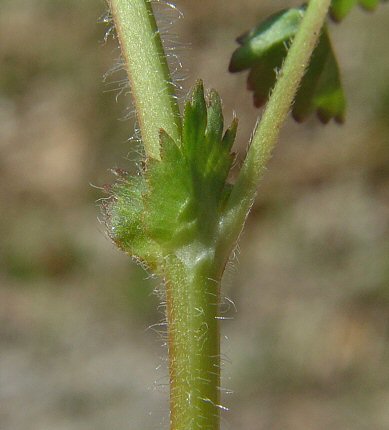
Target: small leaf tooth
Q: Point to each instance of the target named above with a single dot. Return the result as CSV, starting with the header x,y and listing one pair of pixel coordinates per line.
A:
x,y
230,134
340,118
341,8
196,102
335,16
215,121
298,117
324,116
233,126
214,98
195,121
232,67
241,59
241,39
369,6
259,100
187,107
197,96
167,144
250,84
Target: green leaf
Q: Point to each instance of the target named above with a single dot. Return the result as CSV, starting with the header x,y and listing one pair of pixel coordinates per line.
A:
x,y
123,214
321,88
341,8
263,50
180,198
270,34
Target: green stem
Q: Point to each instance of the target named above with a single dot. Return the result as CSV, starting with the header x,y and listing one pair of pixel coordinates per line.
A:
x,y
151,83
192,297
193,273
266,135
192,283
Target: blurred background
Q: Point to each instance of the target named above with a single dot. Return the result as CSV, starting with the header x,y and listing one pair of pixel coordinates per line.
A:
x,y
308,345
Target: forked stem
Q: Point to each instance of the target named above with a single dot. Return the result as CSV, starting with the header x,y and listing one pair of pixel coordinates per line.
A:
x,y
193,273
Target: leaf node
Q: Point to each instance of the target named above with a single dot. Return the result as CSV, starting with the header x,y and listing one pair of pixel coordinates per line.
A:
x,y
180,198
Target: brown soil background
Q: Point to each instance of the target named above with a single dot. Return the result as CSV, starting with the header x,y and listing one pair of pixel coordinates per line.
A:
x,y
308,346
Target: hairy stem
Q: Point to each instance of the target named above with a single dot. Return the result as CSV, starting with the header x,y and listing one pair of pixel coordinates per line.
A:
x,y
192,294
193,272
276,111
193,280
151,84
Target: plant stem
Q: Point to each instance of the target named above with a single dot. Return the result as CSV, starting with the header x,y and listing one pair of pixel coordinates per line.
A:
x,y
193,272
192,282
276,111
192,296
148,71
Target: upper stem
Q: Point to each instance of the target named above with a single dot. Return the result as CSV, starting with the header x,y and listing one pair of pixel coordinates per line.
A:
x,y
276,111
148,71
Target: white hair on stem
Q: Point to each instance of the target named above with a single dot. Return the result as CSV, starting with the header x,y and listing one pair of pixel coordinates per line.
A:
x,y
167,15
